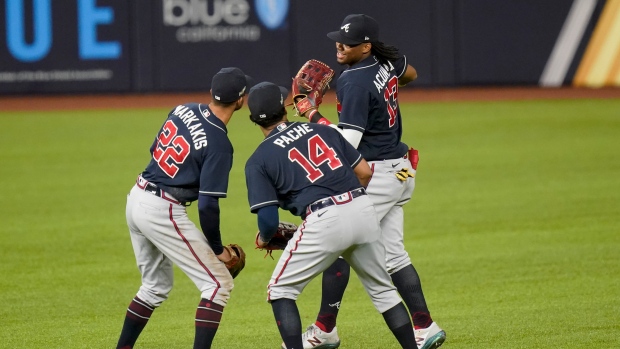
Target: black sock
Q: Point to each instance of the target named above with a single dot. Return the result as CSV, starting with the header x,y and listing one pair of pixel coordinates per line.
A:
x,y
208,316
137,315
407,281
335,280
397,319
289,323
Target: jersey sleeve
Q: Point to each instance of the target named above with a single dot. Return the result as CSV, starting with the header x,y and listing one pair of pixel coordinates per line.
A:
x,y
350,153
261,192
354,104
400,66
214,174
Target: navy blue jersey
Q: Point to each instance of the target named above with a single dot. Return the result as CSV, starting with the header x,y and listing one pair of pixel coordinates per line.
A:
x,y
298,164
368,102
191,154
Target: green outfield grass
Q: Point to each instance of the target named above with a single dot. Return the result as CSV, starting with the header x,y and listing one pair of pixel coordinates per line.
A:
x,y
514,228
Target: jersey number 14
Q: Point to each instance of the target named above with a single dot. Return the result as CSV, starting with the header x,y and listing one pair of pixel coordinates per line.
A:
x,y
318,153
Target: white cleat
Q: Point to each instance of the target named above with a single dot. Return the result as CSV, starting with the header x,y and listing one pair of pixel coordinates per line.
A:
x,y
315,338
430,338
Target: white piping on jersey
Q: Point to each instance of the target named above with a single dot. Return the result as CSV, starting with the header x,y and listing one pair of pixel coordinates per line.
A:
x,y
358,68
206,117
202,111
377,62
212,192
266,203
404,67
223,130
351,126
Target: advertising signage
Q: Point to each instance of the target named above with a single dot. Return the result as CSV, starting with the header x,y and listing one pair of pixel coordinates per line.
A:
x,y
64,46
198,37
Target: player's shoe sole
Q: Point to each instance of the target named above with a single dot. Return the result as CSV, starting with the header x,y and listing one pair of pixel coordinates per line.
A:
x,y
435,341
329,346
324,346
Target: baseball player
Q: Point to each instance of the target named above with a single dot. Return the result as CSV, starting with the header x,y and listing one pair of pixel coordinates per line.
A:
x,y
313,172
191,160
370,119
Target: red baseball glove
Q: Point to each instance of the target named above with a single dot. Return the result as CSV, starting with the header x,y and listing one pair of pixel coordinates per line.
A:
x,y
309,86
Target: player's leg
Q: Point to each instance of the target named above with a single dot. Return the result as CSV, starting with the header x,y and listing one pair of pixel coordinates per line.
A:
x,y
188,248
288,321
376,281
190,251
156,271
323,333
208,317
313,248
368,261
389,195
157,280
334,283
404,275
137,316
336,277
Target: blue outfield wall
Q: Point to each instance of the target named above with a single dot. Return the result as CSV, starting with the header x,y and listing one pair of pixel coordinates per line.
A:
x,y
92,46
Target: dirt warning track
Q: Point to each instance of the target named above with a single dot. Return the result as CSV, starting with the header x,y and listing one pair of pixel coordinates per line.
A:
x,y
410,95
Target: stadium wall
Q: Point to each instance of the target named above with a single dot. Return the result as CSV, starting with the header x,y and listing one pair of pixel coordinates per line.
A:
x,y
91,46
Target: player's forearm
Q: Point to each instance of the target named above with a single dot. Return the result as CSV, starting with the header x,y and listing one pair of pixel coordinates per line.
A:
x,y
316,117
363,173
268,220
209,216
409,75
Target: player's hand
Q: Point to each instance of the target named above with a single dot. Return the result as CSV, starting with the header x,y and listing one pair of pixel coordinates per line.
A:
x,y
309,86
233,257
305,104
259,242
225,256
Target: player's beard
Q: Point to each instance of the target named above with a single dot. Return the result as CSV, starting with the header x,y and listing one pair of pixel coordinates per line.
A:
x,y
350,55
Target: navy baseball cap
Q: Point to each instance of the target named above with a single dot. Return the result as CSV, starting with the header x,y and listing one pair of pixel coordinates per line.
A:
x,y
356,29
229,84
266,100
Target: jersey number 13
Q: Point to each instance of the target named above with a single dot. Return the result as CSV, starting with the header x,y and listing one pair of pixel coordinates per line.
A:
x,y
391,99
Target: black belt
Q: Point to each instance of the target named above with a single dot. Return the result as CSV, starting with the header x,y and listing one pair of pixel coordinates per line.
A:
x,y
155,190
335,200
